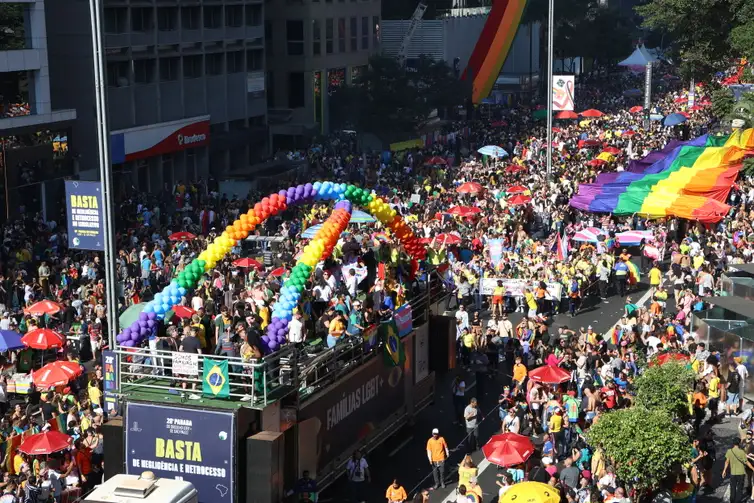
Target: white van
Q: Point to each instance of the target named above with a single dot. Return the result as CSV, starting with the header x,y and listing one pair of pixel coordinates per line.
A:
x,y
143,489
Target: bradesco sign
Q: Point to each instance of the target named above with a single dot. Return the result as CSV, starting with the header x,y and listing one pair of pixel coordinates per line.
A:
x,y
349,412
186,444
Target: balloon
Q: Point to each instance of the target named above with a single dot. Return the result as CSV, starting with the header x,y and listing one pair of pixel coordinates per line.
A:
x,y
272,345
143,331
150,323
149,309
129,344
119,338
151,315
165,308
265,339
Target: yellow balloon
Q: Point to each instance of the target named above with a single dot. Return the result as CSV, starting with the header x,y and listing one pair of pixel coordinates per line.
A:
x,y
210,264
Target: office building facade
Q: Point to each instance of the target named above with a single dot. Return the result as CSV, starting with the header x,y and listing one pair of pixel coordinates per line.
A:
x,y
314,46
185,86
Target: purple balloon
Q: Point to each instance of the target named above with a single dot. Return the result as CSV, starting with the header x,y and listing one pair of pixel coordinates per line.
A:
x,y
152,315
273,345
126,331
142,323
129,344
135,326
143,316
119,337
274,319
281,332
282,340
150,323
133,337
282,193
143,331
265,339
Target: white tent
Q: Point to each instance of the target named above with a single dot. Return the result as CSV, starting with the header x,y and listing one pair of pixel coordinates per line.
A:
x,y
640,57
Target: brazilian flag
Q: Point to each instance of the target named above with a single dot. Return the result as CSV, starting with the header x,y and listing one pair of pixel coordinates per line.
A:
x,y
215,382
395,354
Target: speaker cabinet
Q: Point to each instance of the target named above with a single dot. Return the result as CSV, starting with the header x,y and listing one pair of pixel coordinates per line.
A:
x,y
263,472
114,456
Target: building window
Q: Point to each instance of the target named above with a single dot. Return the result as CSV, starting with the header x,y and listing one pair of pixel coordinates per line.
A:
x,y
213,17
328,36
235,62
192,67
214,63
190,18
141,19
117,74
144,71
296,90
233,16
294,37
254,15
254,60
316,37
167,18
375,32
116,20
365,32
353,35
169,69
342,34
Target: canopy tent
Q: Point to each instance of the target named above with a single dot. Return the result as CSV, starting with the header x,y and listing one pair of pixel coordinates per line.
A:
x,y
640,57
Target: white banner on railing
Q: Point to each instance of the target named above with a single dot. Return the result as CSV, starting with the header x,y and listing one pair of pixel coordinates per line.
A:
x,y
516,287
185,364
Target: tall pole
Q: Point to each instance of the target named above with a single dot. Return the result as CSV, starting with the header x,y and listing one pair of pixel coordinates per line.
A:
x,y
647,94
548,91
103,138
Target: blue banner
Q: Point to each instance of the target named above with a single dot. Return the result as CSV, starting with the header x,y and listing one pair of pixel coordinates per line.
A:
x,y
195,445
85,215
109,382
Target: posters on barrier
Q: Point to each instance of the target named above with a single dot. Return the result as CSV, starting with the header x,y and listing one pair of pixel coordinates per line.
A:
x,y
348,412
496,251
186,364
109,382
563,92
404,320
195,445
85,215
516,286
421,353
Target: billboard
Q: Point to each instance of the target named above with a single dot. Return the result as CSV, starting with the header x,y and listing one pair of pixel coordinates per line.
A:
x,y
85,214
348,412
195,445
563,92
109,382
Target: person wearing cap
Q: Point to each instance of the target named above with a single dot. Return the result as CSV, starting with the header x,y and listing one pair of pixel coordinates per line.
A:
x,y
437,453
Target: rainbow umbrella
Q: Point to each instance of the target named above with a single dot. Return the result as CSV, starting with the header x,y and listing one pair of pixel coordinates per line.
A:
x,y
634,274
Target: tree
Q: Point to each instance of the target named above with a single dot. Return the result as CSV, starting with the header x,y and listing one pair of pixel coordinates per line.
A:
x,y
665,388
722,102
645,446
11,26
743,109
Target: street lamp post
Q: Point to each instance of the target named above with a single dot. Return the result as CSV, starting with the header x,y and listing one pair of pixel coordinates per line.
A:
x,y
548,91
103,138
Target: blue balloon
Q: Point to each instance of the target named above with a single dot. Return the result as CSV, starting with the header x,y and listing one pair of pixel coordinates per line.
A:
x,y
158,298
174,299
149,308
182,291
165,308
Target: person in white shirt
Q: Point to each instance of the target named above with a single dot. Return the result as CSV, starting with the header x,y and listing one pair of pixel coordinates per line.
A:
x,y
357,470
197,302
462,316
352,284
5,322
296,329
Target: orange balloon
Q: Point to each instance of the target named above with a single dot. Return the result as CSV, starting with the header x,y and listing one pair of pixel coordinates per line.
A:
x,y
244,218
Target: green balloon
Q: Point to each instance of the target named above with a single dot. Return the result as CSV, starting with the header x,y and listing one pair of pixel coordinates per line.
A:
x,y
201,263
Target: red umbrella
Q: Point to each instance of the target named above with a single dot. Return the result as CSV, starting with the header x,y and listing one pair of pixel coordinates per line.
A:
x,y
43,307
277,272
448,239
589,143
567,114
436,161
518,199
43,338
246,263
181,236
516,189
47,442
557,130
596,162
696,108
636,109
183,312
685,114
591,113
681,99
514,168
612,150
508,449
464,211
55,374
469,188
549,375
630,132
669,357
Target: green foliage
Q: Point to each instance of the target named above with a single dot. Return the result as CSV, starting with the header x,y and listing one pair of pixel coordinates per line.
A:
x,y
645,446
722,102
747,170
743,109
11,26
665,388
390,98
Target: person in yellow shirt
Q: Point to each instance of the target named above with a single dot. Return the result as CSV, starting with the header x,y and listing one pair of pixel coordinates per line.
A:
x,y
655,277
713,397
395,493
555,427
95,394
437,453
519,374
531,303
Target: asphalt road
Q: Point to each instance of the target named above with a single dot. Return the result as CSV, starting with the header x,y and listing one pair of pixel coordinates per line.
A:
x,y
404,456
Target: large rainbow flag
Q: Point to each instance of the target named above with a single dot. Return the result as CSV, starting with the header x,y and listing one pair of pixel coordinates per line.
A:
x,y
493,46
685,179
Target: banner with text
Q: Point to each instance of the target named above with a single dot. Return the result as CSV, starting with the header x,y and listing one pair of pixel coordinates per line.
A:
x,y
195,445
562,92
85,214
109,382
515,287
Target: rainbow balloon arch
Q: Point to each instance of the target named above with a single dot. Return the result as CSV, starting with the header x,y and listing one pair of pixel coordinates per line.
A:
x,y
318,249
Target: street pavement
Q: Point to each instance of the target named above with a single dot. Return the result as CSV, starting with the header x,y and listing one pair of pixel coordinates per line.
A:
x,y
404,457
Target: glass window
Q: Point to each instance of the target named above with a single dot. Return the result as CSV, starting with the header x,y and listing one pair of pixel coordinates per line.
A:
x,y
192,67
117,74
167,18
141,19
213,17
115,20
254,15
316,37
190,18
294,37
329,36
365,32
353,35
296,90
169,69
254,60
233,16
342,34
144,71
235,62
375,32
214,63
